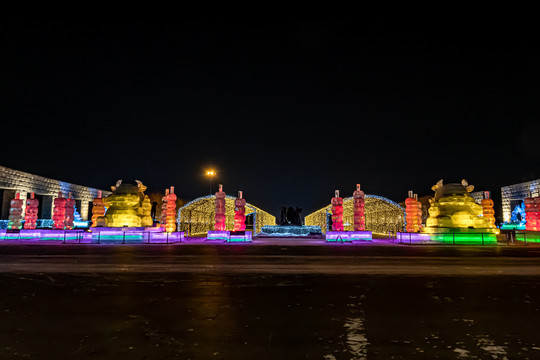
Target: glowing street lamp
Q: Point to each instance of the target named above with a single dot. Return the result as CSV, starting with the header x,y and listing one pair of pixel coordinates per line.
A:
x,y
211,173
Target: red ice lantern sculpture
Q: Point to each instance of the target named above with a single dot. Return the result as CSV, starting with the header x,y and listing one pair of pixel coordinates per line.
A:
x,y
359,210
31,212
69,213
412,214
487,209
239,213
170,211
337,212
59,212
15,213
98,209
532,207
537,213
220,210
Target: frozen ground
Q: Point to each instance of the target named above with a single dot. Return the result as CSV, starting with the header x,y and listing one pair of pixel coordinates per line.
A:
x,y
269,302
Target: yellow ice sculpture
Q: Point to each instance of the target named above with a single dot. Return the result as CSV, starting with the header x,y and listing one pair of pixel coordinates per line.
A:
x,y
123,205
453,207
145,212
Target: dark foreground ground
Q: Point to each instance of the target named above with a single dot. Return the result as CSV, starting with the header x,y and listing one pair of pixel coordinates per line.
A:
x,y
269,302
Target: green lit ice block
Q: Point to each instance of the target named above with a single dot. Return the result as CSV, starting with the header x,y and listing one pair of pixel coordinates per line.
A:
x,y
529,236
465,236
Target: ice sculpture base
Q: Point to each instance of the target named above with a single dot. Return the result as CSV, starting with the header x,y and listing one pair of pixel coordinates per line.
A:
x,y
348,236
451,236
528,236
290,230
240,236
46,235
222,235
134,235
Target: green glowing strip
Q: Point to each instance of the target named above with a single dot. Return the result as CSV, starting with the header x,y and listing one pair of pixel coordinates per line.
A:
x,y
535,238
475,239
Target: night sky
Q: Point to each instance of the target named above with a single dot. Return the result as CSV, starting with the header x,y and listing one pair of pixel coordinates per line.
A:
x,y
287,112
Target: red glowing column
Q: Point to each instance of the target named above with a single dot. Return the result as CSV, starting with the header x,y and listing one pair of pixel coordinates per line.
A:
x,y
530,214
31,212
59,212
411,213
337,212
170,221
487,209
15,213
220,210
98,209
70,212
359,210
239,213
537,213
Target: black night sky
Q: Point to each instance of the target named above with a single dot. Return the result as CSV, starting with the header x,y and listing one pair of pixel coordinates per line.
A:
x,y
286,112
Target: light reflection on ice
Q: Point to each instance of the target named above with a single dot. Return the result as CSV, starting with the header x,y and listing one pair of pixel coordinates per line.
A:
x,y
356,339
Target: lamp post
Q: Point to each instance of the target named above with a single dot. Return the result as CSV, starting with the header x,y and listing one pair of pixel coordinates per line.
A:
x,y
211,173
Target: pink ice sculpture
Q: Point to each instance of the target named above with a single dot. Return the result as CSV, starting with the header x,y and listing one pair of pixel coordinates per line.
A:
x,y
239,213
69,214
359,210
31,212
337,212
220,210
59,212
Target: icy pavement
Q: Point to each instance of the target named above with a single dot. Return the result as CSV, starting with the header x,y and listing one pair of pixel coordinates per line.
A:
x,y
88,302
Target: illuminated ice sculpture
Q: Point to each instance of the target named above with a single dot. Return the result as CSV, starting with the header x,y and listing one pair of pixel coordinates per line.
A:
x,y
359,210
532,213
455,217
337,212
15,213
69,212
123,205
145,211
169,211
338,232
239,213
413,213
59,212
31,212
487,208
453,207
220,210
98,211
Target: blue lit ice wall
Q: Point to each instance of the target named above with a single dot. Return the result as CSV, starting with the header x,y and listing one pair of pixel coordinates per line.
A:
x,y
517,192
